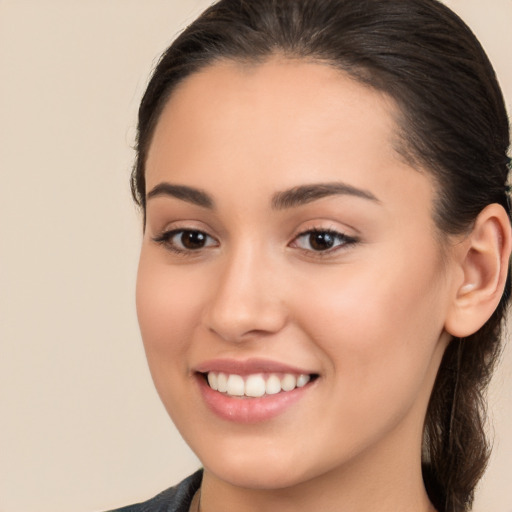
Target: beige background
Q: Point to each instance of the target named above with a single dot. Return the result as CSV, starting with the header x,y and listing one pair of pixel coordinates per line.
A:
x,y
81,427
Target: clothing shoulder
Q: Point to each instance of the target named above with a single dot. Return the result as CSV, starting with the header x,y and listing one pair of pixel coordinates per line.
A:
x,y
174,499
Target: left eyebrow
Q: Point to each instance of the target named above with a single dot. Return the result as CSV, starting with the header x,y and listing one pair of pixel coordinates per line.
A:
x,y
304,194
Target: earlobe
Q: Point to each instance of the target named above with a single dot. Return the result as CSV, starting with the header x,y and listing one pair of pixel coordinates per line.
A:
x,y
483,257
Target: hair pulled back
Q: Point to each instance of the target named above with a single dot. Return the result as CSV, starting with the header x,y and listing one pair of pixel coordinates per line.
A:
x,y
452,123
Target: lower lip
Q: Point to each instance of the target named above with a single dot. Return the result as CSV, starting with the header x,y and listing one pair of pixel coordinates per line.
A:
x,y
249,410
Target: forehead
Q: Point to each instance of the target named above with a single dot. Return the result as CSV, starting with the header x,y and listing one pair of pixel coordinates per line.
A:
x,y
282,98
279,124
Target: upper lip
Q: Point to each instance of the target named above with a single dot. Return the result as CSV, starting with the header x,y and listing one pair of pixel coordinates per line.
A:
x,y
248,366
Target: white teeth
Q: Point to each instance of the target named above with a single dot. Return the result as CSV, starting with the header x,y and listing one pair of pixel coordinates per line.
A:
x,y
273,385
302,380
212,380
255,385
288,382
236,385
222,382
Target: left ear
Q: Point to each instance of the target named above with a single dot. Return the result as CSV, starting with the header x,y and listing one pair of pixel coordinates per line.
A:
x,y
483,257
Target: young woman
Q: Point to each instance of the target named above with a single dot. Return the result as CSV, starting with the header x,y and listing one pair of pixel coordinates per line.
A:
x,y
324,267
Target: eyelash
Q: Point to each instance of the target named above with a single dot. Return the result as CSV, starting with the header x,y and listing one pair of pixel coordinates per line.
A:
x,y
166,237
344,240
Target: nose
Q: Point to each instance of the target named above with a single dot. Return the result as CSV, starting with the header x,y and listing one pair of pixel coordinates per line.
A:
x,y
245,302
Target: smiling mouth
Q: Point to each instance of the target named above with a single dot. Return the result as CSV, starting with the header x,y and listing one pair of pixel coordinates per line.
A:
x,y
256,385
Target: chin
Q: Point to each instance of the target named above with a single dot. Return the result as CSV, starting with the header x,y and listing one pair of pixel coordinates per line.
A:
x,y
256,465
260,475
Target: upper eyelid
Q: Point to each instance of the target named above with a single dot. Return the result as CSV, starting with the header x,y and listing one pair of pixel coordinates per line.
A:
x,y
183,225
302,232
169,233
335,225
327,227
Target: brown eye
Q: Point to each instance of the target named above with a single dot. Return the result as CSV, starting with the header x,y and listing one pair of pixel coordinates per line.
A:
x,y
322,241
185,240
192,239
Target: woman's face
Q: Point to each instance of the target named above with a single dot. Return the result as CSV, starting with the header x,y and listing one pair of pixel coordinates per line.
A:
x,y
290,254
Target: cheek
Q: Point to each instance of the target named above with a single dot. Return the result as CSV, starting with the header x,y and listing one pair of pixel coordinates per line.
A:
x,y
166,308
168,313
379,324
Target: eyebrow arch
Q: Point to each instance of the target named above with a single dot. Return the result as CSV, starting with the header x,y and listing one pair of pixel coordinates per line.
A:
x,y
304,194
182,192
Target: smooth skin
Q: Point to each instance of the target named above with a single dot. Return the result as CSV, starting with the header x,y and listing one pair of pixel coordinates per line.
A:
x,y
370,311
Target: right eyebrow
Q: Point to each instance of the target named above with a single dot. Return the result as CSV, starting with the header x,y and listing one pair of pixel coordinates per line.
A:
x,y
189,194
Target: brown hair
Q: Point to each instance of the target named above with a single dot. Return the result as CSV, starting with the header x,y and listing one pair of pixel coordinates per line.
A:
x,y
453,123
